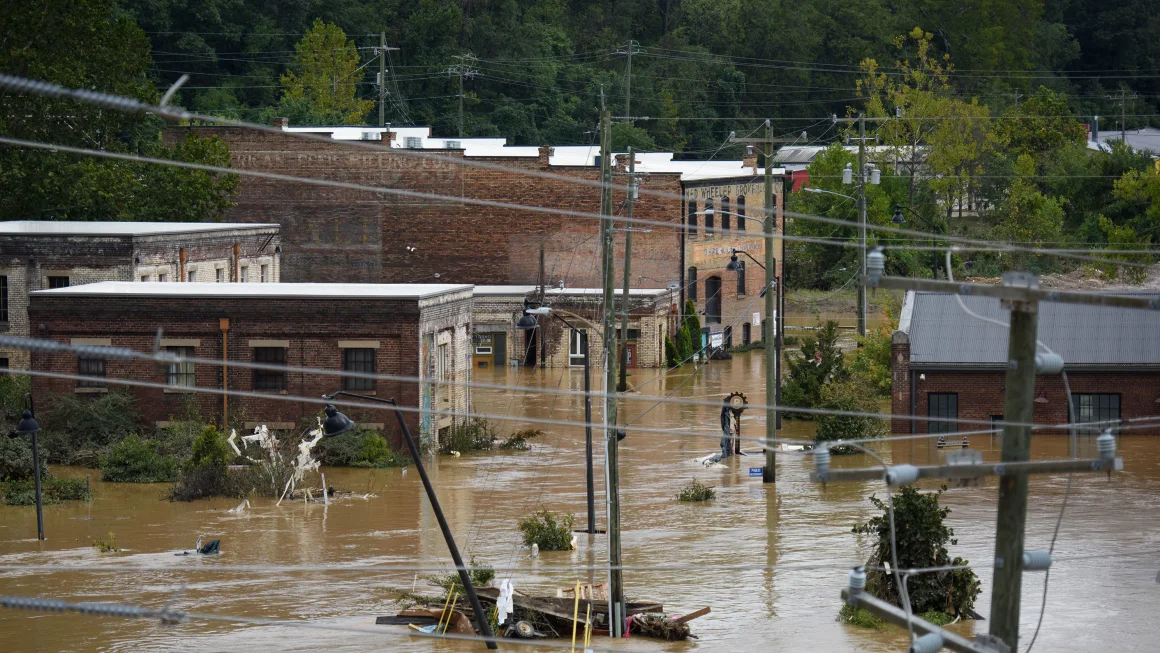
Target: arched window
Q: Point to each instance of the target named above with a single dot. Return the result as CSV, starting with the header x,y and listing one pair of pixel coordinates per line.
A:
x,y
691,282
741,226
725,217
709,216
692,225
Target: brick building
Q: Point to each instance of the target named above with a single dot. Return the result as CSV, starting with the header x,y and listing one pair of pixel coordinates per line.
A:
x,y
35,255
498,342
949,366
393,239
414,330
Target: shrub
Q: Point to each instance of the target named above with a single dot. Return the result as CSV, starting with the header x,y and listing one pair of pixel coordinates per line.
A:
x,y
921,539
106,546
519,440
672,354
805,375
697,491
475,434
684,346
16,459
13,387
860,617
849,395
358,447
210,449
480,575
77,427
133,460
549,531
937,617
52,489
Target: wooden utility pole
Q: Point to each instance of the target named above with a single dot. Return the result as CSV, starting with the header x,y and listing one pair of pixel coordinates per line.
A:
x,y
540,333
630,48
382,52
862,223
772,292
612,474
1007,585
462,69
630,197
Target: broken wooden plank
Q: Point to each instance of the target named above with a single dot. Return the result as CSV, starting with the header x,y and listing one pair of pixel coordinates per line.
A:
x,y
692,615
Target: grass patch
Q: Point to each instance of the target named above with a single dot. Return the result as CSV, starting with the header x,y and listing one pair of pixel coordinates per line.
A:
x,y
519,440
697,491
106,546
860,617
475,434
549,531
937,617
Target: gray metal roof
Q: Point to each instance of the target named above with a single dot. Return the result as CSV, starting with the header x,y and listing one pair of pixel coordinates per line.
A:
x,y
943,335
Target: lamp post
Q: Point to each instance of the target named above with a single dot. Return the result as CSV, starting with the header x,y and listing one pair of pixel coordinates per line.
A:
x,y
28,426
901,219
336,424
529,322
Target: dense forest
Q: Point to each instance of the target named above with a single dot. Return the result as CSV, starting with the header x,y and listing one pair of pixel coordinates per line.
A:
x,y
987,99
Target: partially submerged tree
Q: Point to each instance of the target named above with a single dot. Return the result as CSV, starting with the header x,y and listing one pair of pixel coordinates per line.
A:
x,y
922,540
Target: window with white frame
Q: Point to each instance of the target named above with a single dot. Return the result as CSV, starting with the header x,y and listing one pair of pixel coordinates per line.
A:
x,y
181,372
413,142
265,274
577,347
219,275
245,274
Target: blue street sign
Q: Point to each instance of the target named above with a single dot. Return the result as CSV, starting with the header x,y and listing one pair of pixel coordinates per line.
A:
x,y
755,472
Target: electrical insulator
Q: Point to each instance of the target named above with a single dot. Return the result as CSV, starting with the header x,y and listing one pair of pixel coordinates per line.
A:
x,y
848,175
1046,363
822,462
928,643
901,475
875,266
857,579
1106,445
875,176
1036,561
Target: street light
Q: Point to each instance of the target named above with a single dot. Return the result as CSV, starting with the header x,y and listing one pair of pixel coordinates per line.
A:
x,y
336,423
899,219
528,322
810,189
28,426
735,265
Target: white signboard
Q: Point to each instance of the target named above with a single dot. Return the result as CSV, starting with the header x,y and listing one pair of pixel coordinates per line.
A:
x,y
756,320
716,339
775,323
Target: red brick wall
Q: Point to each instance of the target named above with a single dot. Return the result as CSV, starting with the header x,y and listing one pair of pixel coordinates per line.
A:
x,y
331,234
982,394
313,329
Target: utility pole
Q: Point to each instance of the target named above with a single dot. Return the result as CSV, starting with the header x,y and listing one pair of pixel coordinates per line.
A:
x,y
1007,586
628,49
543,340
862,222
382,52
611,473
462,69
622,386
772,291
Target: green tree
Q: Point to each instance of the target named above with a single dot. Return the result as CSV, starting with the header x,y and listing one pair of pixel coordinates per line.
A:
x,y
105,52
1028,216
325,74
922,540
849,395
807,372
210,451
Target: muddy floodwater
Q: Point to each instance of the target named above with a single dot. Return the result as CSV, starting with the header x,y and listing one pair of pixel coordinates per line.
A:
x,y
1103,593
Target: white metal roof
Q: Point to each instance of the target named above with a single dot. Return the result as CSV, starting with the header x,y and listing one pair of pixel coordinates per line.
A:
x,y
259,290
642,292
504,290
70,228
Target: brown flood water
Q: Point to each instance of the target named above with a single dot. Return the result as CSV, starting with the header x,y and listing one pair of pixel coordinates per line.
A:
x,y
1093,604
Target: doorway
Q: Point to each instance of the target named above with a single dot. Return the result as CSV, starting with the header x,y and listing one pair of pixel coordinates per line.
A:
x,y
713,300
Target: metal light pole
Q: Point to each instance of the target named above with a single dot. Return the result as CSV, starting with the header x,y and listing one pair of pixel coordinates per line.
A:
x,y
28,426
336,423
529,322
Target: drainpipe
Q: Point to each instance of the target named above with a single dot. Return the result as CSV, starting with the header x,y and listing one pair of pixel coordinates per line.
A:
x,y
181,258
913,406
224,325
237,262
